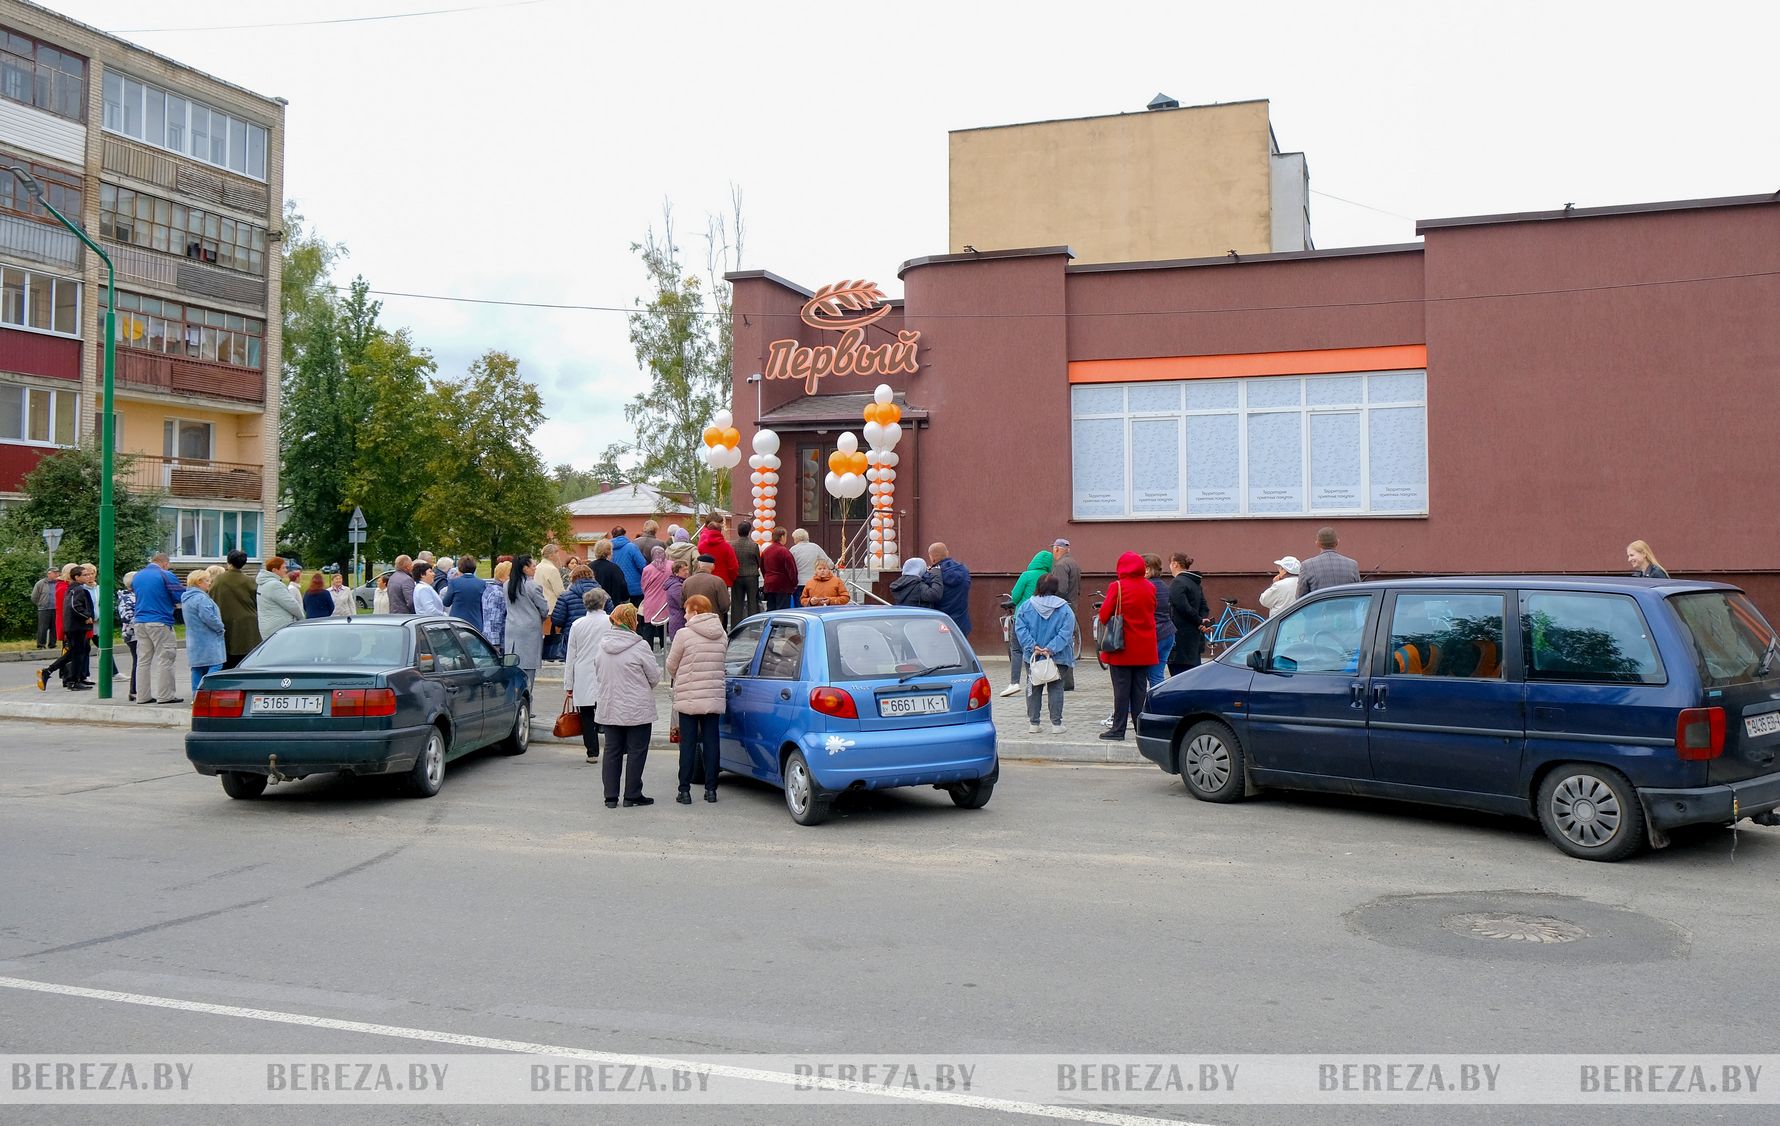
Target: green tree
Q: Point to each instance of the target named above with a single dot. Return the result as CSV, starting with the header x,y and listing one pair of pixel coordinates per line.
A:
x,y
398,441
63,492
491,493
678,345
307,262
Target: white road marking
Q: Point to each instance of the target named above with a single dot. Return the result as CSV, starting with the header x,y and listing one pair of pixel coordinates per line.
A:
x,y
728,1071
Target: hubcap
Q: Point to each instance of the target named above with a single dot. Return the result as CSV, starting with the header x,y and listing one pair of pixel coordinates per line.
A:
x,y
797,788
1208,762
1585,810
435,759
522,727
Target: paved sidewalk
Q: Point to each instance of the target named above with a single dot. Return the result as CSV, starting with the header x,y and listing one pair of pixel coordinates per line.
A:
x,y
1083,709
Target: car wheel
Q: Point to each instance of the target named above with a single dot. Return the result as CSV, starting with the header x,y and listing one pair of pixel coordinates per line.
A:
x,y
973,794
803,798
519,740
242,786
1211,762
1591,812
428,774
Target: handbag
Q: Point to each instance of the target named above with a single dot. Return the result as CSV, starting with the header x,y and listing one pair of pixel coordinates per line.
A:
x,y
568,724
1112,636
1043,671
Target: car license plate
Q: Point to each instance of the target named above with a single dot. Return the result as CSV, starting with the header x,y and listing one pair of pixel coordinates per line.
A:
x,y
934,704
1765,724
286,705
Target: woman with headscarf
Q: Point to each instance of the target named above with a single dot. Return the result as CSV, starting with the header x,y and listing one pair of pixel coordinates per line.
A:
x,y
578,674
916,586
494,606
1024,587
676,597
627,675
526,611
652,625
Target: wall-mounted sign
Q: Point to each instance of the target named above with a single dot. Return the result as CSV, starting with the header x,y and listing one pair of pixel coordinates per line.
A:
x,y
849,307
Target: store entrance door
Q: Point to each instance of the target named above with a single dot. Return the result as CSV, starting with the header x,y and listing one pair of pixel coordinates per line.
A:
x,y
829,520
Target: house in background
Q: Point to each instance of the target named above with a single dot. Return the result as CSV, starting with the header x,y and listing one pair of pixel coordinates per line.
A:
x,y
627,506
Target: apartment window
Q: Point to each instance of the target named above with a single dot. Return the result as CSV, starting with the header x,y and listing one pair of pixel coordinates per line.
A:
x,y
39,302
157,224
183,438
169,121
1273,446
38,416
42,76
209,533
61,189
169,327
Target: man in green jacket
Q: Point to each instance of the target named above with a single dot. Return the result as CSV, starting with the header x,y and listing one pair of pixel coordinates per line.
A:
x,y
234,594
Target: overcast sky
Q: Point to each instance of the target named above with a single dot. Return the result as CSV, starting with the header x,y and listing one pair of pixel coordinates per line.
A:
x,y
516,152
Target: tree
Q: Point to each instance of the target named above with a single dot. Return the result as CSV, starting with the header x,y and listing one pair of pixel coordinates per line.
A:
x,y
680,346
63,492
307,262
492,494
399,439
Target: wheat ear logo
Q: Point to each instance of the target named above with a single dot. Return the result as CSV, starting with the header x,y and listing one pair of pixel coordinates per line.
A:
x,y
847,307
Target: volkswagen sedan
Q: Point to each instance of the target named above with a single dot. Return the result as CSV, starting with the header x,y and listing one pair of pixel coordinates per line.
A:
x,y
379,695
823,701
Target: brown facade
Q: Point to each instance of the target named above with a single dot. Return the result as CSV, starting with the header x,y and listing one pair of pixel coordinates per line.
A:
x,y
1592,378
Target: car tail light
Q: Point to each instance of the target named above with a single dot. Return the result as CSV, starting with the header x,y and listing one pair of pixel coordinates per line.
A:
x,y
216,704
363,702
1699,734
836,702
979,694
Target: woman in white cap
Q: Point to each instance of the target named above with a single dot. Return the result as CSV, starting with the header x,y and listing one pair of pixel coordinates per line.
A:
x,y
1285,586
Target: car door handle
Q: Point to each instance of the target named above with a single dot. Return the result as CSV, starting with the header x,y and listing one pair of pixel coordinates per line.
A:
x,y
735,690
1356,695
1379,692
1549,714
784,693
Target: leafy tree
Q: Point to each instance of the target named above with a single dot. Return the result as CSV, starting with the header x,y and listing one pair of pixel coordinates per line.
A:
x,y
678,346
307,263
399,437
607,473
63,492
492,493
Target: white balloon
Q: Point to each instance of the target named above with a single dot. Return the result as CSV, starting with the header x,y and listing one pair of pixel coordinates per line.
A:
x,y
874,434
886,474
892,435
770,461
723,421
876,535
847,443
754,461
889,547
765,442
832,483
883,394
871,475
768,477
889,459
758,491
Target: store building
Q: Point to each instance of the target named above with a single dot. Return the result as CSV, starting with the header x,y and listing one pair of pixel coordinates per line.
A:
x,y
1522,392
179,176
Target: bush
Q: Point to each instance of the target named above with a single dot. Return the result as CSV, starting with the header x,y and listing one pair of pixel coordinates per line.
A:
x,y
22,562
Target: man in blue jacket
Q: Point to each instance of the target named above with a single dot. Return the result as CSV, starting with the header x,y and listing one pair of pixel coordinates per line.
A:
x,y
157,592
463,595
630,560
954,580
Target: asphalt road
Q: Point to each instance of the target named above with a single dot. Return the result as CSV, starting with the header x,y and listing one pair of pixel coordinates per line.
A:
x,y
1087,909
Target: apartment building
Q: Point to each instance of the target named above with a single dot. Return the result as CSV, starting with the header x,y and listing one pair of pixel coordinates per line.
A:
x,y
179,176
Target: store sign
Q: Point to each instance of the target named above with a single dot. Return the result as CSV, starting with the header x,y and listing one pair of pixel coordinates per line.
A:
x,y
849,307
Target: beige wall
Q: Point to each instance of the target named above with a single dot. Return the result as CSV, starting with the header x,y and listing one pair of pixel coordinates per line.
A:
x,y
234,437
1158,184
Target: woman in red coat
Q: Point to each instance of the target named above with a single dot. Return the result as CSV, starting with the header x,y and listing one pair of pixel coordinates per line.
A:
x,y
1134,599
712,542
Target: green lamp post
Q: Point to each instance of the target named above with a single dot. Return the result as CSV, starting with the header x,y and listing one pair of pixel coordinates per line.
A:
x,y
107,439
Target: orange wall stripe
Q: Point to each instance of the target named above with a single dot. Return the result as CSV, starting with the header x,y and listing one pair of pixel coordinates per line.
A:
x,y
1388,357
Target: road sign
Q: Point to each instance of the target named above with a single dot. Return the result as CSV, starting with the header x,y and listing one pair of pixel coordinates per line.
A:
x,y
357,523
53,538
355,535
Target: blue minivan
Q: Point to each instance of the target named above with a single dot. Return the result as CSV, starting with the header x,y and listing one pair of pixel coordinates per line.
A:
x,y
1610,709
824,700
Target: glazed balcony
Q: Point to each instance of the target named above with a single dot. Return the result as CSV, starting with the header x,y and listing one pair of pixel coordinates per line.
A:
x,y
191,478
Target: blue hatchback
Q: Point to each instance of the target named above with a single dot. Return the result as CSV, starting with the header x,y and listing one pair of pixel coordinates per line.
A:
x,y
831,699
1611,710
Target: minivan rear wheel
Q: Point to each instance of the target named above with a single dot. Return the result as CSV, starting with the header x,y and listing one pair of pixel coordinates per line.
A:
x,y
1591,812
1211,762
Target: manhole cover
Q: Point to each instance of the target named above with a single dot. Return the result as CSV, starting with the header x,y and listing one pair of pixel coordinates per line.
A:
x,y
1512,927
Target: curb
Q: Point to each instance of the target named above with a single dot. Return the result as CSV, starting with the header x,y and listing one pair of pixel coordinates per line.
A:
x,y
122,715
1025,750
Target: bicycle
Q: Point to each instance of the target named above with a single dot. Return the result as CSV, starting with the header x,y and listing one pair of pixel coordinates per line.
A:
x,y
1232,626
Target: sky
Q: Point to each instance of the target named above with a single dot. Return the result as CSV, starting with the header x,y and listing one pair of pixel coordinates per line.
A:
x,y
515,152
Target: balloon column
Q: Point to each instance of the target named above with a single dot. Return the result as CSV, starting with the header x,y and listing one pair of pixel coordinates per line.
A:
x,y
764,465
721,442
882,432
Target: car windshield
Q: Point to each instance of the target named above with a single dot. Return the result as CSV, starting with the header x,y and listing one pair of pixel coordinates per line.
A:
x,y
1729,635
893,645
355,645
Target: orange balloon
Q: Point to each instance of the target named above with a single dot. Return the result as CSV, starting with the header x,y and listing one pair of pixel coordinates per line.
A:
x,y
731,437
872,413
713,435
888,413
838,462
857,463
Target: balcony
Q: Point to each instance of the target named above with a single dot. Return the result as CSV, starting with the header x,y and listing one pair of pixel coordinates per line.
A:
x,y
189,277
188,478
39,242
177,374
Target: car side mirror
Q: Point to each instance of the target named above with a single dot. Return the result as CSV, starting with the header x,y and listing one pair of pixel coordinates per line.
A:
x,y
510,660
424,662
1257,660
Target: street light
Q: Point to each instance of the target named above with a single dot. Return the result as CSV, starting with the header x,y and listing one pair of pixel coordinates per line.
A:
x,y
107,439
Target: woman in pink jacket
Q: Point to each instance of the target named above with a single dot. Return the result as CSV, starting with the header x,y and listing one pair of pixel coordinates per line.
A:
x,y
695,668
652,625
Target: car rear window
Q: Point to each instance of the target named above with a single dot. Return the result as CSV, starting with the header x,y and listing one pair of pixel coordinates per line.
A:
x,y
895,645
1599,638
354,645
1729,635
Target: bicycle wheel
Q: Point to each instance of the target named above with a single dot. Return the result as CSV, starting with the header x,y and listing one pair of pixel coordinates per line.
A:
x,y
1247,622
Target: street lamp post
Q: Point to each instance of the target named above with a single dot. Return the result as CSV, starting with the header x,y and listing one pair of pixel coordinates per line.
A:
x,y
107,439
